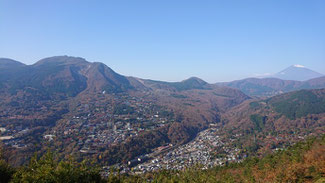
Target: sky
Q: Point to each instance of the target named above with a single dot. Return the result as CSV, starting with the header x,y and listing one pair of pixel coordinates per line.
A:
x,y
169,40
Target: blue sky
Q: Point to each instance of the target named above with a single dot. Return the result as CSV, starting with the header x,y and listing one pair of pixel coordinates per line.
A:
x,y
169,40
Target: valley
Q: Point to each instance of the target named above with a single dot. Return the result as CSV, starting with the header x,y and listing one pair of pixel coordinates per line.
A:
x,y
139,125
162,91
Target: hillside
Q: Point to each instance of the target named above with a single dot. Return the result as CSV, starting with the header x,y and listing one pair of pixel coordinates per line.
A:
x,y
299,104
277,121
188,84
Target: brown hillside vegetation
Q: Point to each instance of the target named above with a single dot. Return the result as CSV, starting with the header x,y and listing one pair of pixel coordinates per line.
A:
x,y
279,121
303,162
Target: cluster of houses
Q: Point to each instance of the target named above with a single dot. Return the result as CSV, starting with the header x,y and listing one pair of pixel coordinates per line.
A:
x,y
15,137
197,152
108,121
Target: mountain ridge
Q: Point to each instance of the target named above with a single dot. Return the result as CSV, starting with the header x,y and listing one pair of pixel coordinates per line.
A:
x,y
105,74
78,74
8,63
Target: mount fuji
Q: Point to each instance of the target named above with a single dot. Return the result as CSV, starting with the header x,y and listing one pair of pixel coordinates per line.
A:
x,y
298,73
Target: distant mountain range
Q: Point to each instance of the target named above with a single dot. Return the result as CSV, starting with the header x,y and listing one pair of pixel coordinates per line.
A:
x,y
68,76
293,78
262,87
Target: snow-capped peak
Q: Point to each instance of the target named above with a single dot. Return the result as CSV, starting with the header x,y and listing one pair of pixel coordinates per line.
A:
x,y
298,73
300,66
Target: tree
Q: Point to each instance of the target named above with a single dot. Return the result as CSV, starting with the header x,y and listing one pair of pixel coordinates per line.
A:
x,y
46,169
6,172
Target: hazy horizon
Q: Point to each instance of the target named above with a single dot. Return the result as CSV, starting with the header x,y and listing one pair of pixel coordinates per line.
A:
x,y
169,41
